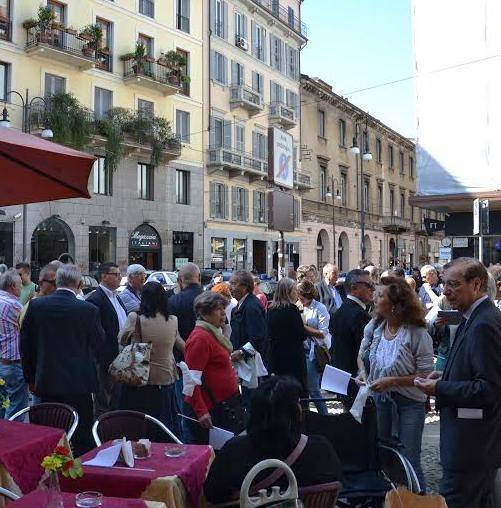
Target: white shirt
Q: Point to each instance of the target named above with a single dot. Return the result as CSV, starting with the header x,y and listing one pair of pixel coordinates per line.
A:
x,y
355,299
335,294
112,296
317,316
473,306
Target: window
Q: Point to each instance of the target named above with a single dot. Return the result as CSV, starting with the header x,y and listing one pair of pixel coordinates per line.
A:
x,y
392,202
379,152
183,15
366,141
259,148
219,68
147,42
216,132
259,207
321,123
344,187
240,25
102,178
103,101
4,80
292,100
240,138
390,156
411,167
342,132
240,206
5,25
276,53
59,11
237,73
292,62
183,125
380,202
102,246
146,109
276,92
105,60
366,195
258,41
145,181
402,204
220,18
257,82
413,215
401,162
290,16
323,183
54,84
275,7
218,201
147,7
185,71
182,187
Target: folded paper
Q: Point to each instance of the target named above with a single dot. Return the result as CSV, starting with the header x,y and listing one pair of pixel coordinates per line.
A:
x,y
191,378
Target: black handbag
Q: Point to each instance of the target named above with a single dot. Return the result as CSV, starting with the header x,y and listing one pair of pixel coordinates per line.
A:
x,y
322,357
230,414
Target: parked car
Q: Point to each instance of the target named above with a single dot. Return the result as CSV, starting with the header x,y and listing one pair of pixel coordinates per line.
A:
x,y
208,273
167,279
89,284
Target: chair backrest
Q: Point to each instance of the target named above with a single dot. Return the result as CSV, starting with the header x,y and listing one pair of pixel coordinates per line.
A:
x,y
397,468
8,494
51,414
275,497
323,495
133,425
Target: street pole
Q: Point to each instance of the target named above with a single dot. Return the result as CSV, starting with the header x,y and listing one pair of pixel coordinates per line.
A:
x,y
281,256
334,250
362,208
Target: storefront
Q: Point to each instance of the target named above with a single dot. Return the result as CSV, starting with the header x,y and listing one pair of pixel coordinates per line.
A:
x,y
102,246
145,247
218,253
239,254
182,248
7,243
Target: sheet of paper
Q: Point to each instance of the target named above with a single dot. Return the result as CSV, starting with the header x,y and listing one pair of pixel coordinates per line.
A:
x,y
357,410
218,437
106,457
335,380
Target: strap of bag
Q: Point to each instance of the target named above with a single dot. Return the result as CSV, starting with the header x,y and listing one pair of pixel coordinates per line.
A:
x,y
278,473
138,332
209,391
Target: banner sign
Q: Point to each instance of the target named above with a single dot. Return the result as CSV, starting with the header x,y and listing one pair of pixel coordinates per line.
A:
x,y
280,158
144,237
433,225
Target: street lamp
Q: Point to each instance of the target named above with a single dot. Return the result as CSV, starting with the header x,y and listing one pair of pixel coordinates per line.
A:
x,y
361,139
335,196
26,126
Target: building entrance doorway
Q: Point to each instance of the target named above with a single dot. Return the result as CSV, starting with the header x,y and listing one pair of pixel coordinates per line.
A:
x,y
259,255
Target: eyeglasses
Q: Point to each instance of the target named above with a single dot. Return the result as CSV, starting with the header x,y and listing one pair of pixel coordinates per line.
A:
x,y
368,285
116,274
49,281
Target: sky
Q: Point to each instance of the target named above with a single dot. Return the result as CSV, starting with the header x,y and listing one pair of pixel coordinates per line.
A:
x,y
355,44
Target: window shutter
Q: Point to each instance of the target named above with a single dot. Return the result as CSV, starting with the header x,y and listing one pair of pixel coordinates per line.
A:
x,y
282,56
286,55
244,27
233,203
255,144
280,90
187,128
225,197
234,73
253,39
246,205
263,30
225,20
227,134
272,47
254,207
212,198
225,70
213,63
212,133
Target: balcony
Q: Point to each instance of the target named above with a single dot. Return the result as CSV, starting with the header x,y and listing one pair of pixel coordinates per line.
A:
x,y
152,76
242,96
302,180
393,224
237,162
284,115
68,48
281,13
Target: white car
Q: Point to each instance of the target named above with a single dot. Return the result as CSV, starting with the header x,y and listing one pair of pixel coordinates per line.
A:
x,y
167,279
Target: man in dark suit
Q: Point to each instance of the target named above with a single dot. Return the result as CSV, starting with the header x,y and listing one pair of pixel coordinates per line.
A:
x,y
350,319
331,295
468,392
61,339
113,315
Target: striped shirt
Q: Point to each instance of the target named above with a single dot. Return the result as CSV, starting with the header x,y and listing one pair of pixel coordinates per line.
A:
x,y
10,309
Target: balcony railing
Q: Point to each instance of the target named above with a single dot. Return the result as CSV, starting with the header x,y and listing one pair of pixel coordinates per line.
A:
x,y
393,223
322,212
302,179
152,75
283,114
280,12
246,97
183,23
5,29
231,159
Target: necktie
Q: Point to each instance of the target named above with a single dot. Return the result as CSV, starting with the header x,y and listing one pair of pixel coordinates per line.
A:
x,y
460,328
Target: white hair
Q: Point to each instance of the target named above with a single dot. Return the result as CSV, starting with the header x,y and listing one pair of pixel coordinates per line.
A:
x,y
427,269
68,276
9,279
328,268
135,270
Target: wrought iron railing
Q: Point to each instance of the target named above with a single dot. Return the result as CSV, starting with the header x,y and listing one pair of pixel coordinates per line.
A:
x,y
153,70
281,111
283,14
302,179
238,160
244,93
394,222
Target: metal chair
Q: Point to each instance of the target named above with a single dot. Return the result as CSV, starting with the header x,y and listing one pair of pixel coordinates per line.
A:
x,y
133,425
51,414
397,468
323,495
9,494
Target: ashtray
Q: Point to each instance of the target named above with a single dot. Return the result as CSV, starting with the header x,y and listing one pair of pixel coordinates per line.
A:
x,y
89,499
175,451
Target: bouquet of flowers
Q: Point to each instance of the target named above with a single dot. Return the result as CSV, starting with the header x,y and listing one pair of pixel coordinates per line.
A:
x,y
62,461
4,399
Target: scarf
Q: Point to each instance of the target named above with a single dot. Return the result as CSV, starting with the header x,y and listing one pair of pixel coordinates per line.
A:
x,y
217,333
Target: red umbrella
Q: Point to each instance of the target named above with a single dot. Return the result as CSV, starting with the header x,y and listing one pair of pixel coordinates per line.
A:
x,y
34,170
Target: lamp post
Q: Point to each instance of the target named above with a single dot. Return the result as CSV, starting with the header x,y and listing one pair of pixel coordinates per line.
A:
x,y
26,127
361,139
335,196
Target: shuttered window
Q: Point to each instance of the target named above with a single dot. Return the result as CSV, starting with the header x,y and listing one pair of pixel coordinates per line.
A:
x,y
103,101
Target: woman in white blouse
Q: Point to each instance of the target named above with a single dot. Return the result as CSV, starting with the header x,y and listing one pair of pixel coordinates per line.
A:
x,y
316,320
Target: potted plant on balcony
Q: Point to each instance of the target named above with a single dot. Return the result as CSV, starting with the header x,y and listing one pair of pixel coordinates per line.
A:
x,y
43,23
71,30
93,34
3,14
139,58
175,62
30,23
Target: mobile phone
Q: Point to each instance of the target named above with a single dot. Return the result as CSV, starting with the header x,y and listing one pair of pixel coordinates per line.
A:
x,y
453,316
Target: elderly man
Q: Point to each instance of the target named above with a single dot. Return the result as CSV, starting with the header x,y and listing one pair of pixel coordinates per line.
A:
x,y
468,392
431,288
330,295
10,359
495,271
131,295
61,340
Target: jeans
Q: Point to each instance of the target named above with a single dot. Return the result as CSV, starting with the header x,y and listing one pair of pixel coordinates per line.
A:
x,y
15,387
314,378
401,418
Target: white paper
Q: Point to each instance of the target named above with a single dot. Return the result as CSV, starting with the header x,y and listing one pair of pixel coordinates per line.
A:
x,y
218,437
251,369
357,410
127,453
106,457
335,380
191,378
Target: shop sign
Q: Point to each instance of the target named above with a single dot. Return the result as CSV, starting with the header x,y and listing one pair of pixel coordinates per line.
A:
x,y
145,238
217,258
180,262
445,252
460,242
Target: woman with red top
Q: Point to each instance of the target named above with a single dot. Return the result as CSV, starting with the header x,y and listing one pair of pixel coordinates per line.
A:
x,y
208,352
259,292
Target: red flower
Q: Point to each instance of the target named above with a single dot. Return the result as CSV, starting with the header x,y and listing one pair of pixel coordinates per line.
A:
x,y
68,465
62,450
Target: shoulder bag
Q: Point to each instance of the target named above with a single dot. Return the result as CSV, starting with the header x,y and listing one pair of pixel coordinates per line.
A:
x,y
322,357
132,365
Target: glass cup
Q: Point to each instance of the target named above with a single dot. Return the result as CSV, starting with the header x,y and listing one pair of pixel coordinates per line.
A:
x,y
175,450
88,499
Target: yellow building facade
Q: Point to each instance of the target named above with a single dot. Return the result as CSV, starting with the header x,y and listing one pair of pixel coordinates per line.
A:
x,y
137,213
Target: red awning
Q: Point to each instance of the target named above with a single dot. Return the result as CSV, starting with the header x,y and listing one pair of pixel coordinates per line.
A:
x,y
34,170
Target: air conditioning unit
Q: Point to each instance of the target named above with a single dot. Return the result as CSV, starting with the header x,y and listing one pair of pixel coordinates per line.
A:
x,y
241,42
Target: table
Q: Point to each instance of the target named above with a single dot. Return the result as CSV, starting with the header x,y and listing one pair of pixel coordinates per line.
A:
x,y
38,499
177,482
22,448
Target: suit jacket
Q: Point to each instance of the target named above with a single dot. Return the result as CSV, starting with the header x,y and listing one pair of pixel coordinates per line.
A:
x,y
472,379
248,324
109,322
348,326
181,305
61,337
325,297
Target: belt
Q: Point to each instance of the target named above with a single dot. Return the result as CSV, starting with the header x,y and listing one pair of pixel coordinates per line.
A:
x,y
8,362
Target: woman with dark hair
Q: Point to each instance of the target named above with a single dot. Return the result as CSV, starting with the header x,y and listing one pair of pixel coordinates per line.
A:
x,y
399,350
157,326
273,432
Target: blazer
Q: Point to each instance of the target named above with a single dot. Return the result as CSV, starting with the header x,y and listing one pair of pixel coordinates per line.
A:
x,y
248,324
325,297
347,327
472,380
61,339
109,322
181,306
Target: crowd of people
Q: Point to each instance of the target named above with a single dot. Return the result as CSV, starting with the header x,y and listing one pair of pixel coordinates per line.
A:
x,y
227,356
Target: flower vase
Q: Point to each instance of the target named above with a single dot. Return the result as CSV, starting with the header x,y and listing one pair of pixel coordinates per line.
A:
x,y
54,497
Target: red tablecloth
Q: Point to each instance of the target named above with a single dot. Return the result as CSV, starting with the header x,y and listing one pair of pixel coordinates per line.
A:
x,y
22,448
38,499
131,482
